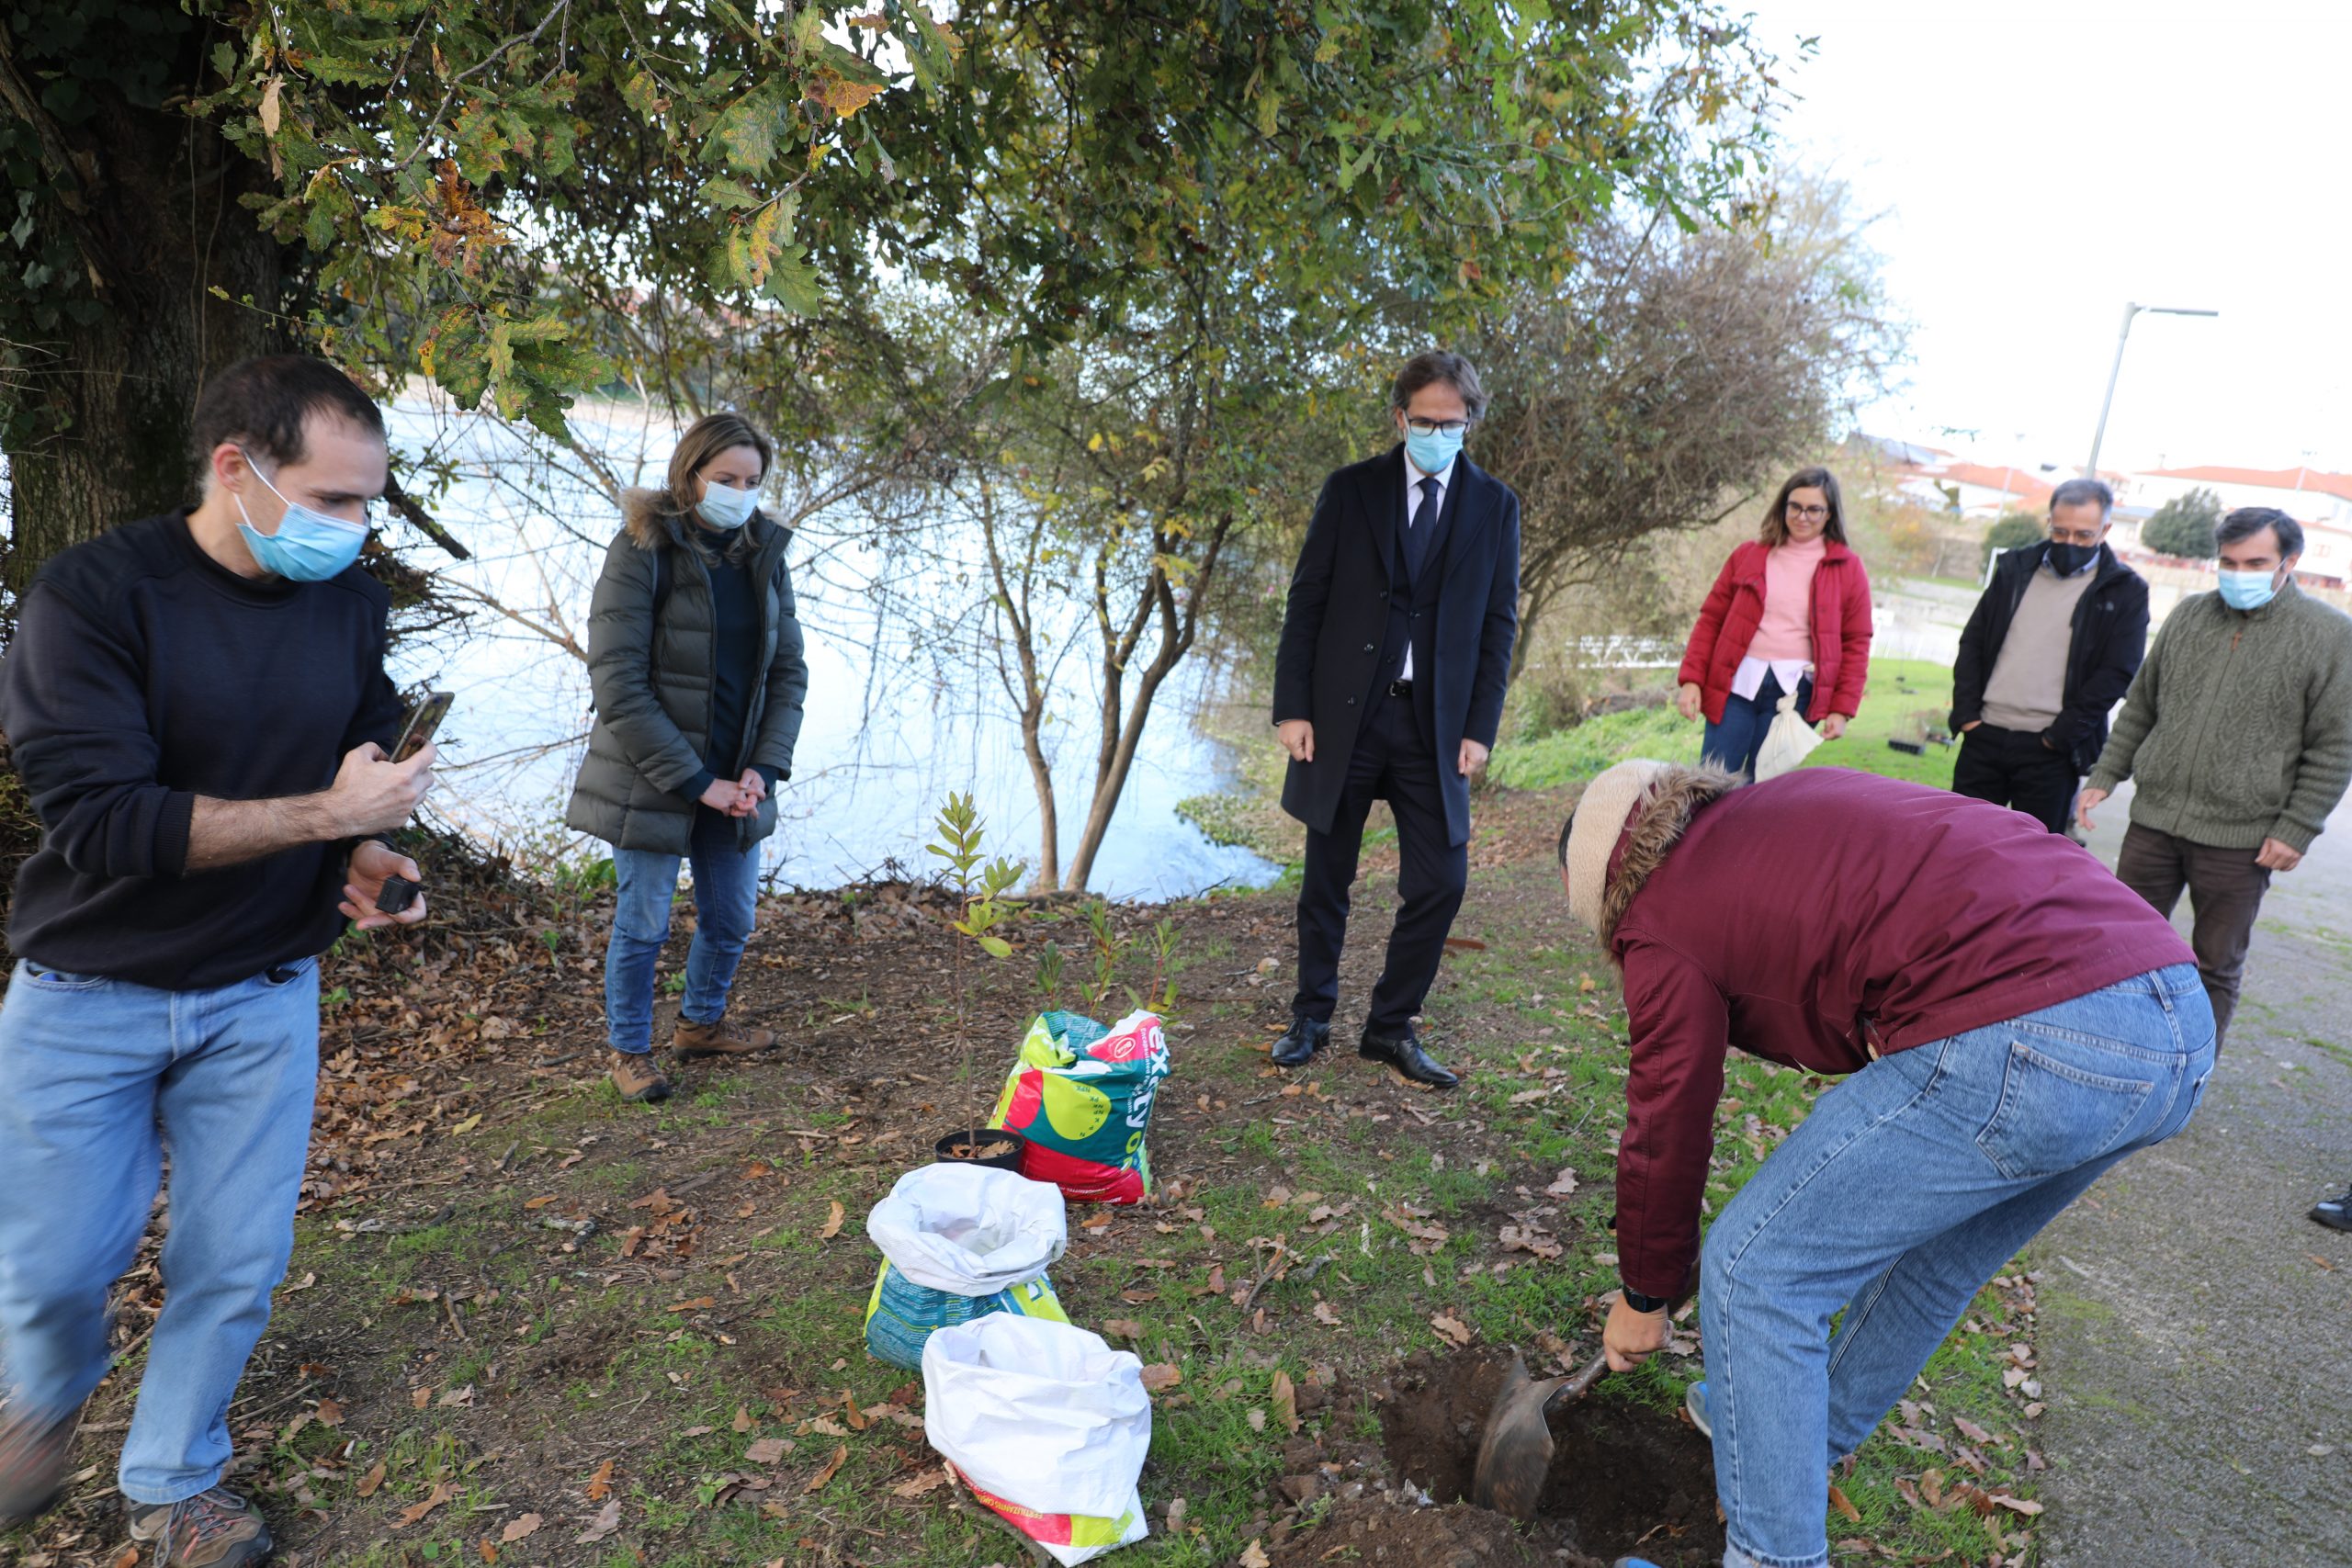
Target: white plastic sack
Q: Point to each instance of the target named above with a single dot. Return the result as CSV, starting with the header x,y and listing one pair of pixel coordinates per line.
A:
x,y
970,1230
1041,1414
1787,743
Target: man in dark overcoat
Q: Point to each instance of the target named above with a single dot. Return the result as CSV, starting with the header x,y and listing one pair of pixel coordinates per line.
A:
x,y
1388,685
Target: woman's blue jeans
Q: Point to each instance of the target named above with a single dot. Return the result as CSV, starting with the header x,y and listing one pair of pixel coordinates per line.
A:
x,y
727,891
1735,743
1909,1185
103,1078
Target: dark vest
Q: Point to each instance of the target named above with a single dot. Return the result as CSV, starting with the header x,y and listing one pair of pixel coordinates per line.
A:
x,y
1412,608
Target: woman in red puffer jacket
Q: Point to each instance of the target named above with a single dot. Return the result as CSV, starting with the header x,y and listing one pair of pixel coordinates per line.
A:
x,y
1790,611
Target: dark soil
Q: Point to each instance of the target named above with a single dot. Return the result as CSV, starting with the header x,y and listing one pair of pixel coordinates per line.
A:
x,y
1625,1478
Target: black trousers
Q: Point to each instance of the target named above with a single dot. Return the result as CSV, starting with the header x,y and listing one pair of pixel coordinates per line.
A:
x,y
2014,768
1395,763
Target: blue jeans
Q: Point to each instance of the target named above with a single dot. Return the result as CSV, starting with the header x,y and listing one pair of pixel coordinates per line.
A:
x,y
1911,1184
727,891
1734,743
102,1075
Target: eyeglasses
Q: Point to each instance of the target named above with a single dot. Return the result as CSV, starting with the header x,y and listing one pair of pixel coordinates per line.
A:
x,y
1808,511
1437,426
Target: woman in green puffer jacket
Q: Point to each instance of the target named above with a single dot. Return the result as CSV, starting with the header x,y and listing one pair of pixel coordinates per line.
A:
x,y
695,656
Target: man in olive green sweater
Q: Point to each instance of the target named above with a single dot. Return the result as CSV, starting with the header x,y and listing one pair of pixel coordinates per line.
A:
x,y
2239,731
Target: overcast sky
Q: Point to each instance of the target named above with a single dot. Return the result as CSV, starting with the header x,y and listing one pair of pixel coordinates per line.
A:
x,y
2038,164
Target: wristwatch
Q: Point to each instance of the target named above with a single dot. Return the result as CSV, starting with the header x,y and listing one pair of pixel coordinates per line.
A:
x,y
1641,1302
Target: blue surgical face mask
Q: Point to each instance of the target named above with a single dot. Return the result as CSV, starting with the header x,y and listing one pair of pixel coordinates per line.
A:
x,y
2247,590
1431,453
724,506
309,546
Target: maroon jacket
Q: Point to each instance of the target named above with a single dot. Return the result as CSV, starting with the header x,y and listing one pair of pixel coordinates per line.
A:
x,y
1735,608
1823,918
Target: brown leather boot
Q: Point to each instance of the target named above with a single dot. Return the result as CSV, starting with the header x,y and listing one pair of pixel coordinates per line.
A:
x,y
638,1076
715,1039
33,1455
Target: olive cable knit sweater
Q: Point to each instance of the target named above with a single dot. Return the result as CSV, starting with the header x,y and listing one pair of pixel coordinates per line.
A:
x,y
2239,725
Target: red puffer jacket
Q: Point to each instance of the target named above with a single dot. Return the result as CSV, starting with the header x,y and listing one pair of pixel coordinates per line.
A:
x,y
1735,608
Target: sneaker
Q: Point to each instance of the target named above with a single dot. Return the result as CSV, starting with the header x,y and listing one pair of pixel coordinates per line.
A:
x,y
715,1039
2335,1213
638,1076
33,1455
212,1530
1694,1404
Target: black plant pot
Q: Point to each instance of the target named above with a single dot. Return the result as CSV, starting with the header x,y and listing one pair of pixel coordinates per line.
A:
x,y
1008,1156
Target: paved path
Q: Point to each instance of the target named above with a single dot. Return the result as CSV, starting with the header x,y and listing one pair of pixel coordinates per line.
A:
x,y
2196,1329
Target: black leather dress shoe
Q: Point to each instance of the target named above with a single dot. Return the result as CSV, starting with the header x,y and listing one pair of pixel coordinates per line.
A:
x,y
1300,1042
1404,1052
2335,1213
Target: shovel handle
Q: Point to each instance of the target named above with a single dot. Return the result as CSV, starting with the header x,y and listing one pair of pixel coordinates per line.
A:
x,y
1593,1372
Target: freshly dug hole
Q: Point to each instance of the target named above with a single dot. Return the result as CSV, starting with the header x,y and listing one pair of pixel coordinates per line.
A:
x,y
1624,1477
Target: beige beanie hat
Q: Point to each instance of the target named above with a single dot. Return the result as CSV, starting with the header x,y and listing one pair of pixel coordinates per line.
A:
x,y
1601,822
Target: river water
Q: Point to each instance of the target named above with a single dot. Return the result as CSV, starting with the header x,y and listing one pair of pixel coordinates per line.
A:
x,y
904,704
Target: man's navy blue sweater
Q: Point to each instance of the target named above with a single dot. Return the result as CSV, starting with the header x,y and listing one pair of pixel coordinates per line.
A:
x,y
142,675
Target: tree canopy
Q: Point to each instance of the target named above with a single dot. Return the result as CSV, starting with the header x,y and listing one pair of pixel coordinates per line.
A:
x,y
2183,525
500,196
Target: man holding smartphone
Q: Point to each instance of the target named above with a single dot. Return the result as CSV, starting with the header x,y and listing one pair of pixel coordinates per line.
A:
x,y
198,706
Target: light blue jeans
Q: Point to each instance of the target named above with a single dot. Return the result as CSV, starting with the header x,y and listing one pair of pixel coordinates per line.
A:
x,y
1909,1185
727,891
102,1076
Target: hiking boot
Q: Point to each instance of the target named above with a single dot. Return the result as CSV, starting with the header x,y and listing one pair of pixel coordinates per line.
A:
x,y
33,1455
715,1039
638,1077
2335,1213
212,1530
1694,1404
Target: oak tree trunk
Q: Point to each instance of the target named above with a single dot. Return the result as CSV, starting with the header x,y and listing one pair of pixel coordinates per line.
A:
x,y
161,229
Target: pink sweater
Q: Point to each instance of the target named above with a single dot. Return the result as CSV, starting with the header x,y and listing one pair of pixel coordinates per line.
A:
x,y
1786,630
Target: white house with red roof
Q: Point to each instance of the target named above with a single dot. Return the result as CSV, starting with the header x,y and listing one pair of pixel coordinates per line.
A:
x,y
2320,501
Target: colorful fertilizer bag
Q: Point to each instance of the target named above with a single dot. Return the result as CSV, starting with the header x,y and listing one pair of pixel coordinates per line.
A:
x,y
959,1242
1082,1097
1048,1424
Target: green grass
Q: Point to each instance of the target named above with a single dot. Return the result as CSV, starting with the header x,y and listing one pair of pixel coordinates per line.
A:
x,y
1569,756
1901,696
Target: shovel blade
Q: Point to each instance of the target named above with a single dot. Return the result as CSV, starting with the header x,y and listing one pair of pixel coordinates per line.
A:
x,y
1515,1455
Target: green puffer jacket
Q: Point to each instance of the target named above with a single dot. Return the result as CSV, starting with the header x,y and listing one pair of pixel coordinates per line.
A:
x,y
2239,724
652,683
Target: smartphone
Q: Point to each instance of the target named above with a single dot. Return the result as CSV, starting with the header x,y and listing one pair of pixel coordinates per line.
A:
x,y
422,720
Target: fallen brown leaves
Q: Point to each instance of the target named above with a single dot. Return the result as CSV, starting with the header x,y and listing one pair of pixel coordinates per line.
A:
x,y
442,1492
832,1468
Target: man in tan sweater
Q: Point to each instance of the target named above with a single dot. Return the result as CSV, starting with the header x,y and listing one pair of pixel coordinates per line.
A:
x,y
2052,645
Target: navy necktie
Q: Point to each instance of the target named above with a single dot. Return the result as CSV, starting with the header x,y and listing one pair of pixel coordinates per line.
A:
x,y
1417,532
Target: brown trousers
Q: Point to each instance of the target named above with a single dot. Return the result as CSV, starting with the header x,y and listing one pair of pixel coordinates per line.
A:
x,y
2225,890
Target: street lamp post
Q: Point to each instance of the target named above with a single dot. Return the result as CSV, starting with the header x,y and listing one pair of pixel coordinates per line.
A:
x,y
2090,469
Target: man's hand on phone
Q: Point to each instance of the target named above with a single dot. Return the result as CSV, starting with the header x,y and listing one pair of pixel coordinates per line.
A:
x,y
363,884
372,794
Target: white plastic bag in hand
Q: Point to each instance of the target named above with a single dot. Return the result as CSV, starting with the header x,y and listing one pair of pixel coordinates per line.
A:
x,y
970,1230
1039,1413
1787,742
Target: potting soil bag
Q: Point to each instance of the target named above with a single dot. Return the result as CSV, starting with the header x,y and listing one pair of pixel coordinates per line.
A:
x,y
1082,1097
1046,1424
959,1242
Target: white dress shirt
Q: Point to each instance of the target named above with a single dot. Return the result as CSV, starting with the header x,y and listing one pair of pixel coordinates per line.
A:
x,y
1413,478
